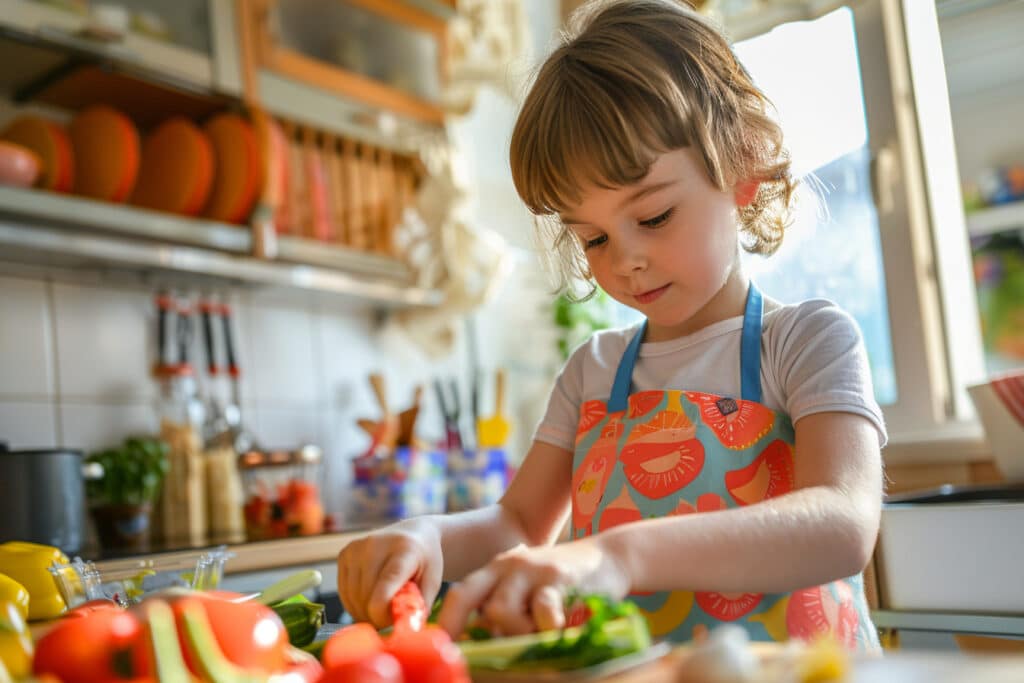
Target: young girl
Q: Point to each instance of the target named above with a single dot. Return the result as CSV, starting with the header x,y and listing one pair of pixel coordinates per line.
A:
x,y
720,461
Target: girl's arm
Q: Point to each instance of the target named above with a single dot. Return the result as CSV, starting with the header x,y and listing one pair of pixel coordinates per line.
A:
x,y
532,512
824,530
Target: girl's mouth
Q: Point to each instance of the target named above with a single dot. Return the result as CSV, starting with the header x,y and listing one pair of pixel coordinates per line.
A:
x,y
648,297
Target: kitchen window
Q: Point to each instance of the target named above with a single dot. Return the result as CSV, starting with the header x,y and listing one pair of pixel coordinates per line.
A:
x,y
860,92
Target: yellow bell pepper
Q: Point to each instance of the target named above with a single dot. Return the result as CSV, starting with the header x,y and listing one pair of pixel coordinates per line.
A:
x,y
12,591
27,563
16,647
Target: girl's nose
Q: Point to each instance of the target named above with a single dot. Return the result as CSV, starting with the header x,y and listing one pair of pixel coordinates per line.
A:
x,y
629,258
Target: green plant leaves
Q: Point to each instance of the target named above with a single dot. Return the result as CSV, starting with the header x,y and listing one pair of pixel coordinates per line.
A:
x,y
132,472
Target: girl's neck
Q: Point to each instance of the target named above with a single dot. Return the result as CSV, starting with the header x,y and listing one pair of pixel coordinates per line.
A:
x,y
728,302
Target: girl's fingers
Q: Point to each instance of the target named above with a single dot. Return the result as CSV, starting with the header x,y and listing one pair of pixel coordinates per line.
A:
x,y
464,597
508,606
546,607
398,569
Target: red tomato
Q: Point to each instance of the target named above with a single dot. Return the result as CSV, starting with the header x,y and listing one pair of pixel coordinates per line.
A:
x,y
428,656
249,634
87,608
95,647
379,667
408,609
351,644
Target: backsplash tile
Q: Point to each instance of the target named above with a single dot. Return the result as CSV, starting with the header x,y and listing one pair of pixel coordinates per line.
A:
x,y
28,425
279,363
104,342
26,340
91,426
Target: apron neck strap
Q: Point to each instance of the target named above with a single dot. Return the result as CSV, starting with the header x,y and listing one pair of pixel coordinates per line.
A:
x,y
750,357
750,347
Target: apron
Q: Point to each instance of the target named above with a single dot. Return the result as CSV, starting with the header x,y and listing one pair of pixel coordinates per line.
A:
x,y
658,453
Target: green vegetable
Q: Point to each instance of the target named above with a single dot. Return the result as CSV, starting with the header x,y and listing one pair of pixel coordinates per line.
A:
x,y
613,630
302,619
132,472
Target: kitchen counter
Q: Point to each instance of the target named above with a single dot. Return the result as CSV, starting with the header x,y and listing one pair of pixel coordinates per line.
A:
x,y
252,556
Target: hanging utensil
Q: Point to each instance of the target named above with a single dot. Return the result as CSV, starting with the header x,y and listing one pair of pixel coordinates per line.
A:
x,y
493,431
243,440
216,429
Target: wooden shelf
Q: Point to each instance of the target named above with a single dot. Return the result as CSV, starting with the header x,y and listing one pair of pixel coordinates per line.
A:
x,y
996,219
46,229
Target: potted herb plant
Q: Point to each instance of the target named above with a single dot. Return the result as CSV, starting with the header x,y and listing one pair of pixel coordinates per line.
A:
x,y
122,499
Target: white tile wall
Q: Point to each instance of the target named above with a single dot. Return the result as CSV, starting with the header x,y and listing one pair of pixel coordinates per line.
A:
x,y
27,425
280,361
26,342
104,337
91,426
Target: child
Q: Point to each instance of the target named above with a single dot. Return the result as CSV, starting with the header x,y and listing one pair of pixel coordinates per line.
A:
x,y
721,461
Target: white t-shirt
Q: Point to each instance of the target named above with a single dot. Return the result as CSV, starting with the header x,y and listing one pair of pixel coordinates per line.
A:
x,y
813,360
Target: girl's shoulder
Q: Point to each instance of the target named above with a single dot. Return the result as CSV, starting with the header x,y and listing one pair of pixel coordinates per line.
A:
x,y
809,317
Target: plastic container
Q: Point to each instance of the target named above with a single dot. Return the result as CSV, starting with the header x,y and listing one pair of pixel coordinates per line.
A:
x,y
954,549
476,478
405,483
126,582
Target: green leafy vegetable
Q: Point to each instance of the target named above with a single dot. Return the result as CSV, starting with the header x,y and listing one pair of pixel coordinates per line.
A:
x,y
613,630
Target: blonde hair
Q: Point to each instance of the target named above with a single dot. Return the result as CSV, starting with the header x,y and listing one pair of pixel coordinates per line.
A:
x,y
631,80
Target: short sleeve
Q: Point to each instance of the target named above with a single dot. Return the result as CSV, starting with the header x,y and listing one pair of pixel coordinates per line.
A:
x,y
823,365
558,426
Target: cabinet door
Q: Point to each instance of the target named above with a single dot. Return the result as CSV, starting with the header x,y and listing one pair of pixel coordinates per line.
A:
x,y
382,53
190,40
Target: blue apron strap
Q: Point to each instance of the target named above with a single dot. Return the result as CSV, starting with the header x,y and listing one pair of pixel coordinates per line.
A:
x,y
750,347
624,375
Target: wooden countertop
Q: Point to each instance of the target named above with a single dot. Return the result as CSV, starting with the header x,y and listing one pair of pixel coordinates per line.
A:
x,y
262,555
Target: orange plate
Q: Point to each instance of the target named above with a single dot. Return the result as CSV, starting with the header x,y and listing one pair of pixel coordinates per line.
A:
x,y
177,168
50,142
106,152
238,180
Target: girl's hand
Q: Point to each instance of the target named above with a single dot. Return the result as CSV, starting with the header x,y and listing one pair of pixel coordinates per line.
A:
x,y
371,569
524,590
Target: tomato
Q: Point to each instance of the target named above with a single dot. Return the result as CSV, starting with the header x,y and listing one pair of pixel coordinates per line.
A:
x,y
87,608
379,667
249,634
95,647
428,656
351,644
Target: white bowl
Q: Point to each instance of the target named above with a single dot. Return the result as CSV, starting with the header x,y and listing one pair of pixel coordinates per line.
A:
x,y
1000,406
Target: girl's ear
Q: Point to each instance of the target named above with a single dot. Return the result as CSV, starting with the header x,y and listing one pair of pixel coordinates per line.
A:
x,y
745,192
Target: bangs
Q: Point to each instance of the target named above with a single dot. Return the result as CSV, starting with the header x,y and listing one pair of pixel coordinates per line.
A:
x,y
596,124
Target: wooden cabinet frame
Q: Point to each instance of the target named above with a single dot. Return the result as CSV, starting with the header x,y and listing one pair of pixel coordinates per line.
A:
x,y
268,53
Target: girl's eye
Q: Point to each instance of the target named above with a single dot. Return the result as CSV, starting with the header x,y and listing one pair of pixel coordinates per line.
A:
x,y
595,242
657,220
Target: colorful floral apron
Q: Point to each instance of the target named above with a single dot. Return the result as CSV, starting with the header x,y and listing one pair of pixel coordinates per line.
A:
x,y
660,453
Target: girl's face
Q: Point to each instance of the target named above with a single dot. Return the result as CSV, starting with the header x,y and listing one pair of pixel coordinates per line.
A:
x,y
666,245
